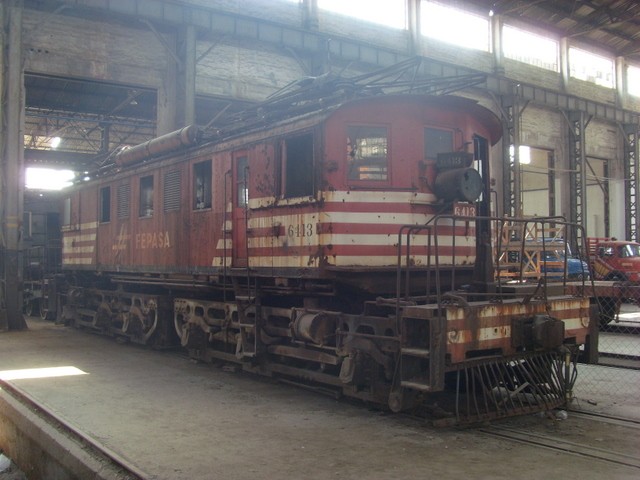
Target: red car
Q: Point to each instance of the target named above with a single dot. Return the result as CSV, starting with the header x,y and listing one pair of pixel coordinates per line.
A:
x,y
614,259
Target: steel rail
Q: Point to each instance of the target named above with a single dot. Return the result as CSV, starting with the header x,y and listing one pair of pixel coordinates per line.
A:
x,y
126,470
604,418
554,443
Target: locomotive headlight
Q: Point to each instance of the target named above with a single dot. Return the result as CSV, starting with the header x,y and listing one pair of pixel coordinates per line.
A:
x,y
458,184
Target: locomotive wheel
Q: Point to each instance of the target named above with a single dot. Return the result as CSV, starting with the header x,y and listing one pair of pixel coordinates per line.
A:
x,y
33,307
103,316
44,310
138,325
134,324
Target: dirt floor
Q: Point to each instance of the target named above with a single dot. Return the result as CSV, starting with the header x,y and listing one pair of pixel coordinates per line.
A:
x,y
178,420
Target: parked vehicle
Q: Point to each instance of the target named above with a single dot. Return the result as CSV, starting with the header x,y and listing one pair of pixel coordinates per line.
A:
x,y
553,263
551,258
613,259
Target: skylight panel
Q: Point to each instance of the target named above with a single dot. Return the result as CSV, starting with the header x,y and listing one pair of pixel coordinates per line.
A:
x,y
455,26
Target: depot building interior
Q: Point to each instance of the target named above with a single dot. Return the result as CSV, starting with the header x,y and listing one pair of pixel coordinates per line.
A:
x,y
83,80
81,83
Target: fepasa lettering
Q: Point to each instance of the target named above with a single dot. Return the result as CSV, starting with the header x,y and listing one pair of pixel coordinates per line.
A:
x,y
152,240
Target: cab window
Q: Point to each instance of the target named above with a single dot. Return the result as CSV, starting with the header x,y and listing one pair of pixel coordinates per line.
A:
x,y
437,141
298,166
105,204
202,185
367,153
146,196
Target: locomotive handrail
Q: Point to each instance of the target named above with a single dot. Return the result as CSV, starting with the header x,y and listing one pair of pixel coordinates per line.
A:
x,y
403,291
227,175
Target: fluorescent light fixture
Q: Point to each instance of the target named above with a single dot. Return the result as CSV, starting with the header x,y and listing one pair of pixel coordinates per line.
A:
x,y
55,142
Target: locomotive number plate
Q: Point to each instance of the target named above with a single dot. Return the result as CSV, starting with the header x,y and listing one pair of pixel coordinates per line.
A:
x,y
461,209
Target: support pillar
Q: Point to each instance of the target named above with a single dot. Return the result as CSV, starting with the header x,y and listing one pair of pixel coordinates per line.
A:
x,y
177,94
577,172
496,43
12,166
631,155
512,197
414,24
186,114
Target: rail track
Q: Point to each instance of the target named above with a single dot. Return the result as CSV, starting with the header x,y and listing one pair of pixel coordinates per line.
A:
x,y
622,327
44,445
572,448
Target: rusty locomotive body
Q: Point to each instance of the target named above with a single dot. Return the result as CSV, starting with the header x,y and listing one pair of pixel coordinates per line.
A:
x,y
349,248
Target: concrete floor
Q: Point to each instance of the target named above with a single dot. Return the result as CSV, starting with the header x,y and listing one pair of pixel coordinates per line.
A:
x,y
178,420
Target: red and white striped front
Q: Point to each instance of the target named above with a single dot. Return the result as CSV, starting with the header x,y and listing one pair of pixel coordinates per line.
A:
x,y
79,244
349,229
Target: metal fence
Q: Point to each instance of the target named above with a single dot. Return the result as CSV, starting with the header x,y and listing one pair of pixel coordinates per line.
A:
x,y
612,383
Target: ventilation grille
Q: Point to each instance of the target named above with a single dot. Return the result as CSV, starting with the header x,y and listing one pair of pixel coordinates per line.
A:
x,y
172,182
124,196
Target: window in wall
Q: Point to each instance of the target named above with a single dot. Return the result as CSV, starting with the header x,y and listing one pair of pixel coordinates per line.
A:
x,y
453,25
48,178
146,196
391,13
530,48
172,190
590,67
633,80
597,191
105,204
298,166
537,181
437,141
367,150
123,201
202,185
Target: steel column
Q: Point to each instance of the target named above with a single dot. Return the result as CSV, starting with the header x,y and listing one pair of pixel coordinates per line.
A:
x,y
4,324
189,75
511,193
577,171
631,154
12,165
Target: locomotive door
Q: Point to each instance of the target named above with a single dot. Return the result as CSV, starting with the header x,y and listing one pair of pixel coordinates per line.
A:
x,y
240,206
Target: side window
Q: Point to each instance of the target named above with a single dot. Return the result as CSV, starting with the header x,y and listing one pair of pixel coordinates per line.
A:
x,y
66,211
105,204
298,166
242,177
202,185
146,196
605,252
437,141
367,150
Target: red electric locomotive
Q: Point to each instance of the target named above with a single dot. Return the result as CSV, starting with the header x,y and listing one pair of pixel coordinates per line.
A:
x,y
348,246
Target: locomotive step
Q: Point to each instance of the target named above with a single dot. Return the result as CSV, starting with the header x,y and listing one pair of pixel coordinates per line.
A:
x,y
246,299
86,312
416,352
416,384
